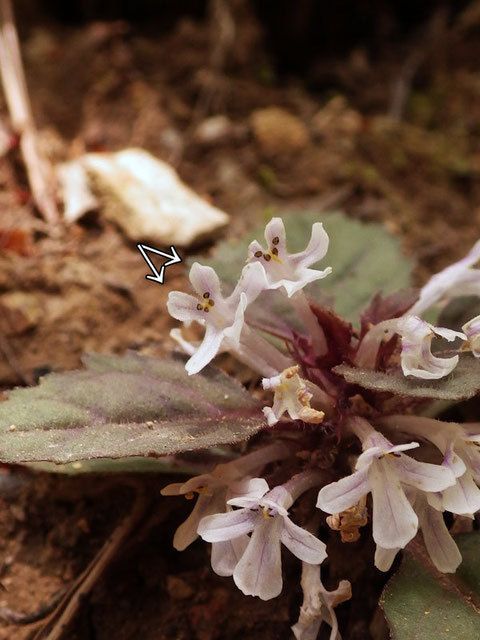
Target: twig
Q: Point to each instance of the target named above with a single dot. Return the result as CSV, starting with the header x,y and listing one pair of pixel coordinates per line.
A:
x,y
223,31
40,173
403,84
222,34
67,608
433,37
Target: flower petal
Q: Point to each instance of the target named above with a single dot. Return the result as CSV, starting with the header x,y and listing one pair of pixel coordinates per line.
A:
x,y
435,500
437,367
464,497
206,351
253,248
470,454
316,248
227,526
472,331
226,555
384,557
453,461
187,347
204,506
450,281
423,475
302,544
365,458
183,306
278,499
248,494
394,520
399,448
205,481
173,489
449,334
205,280
276,229
259,571
383,448
416,357
252,281
345,493
440,544
233,332
302,278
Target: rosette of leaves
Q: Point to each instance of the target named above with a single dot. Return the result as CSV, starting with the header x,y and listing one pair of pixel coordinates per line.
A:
x,y
137,413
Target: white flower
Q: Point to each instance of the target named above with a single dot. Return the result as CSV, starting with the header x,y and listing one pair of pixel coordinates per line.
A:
x,y
472,330
216,487
381,470
318,604
223,317
467,446
185,345
265,516
460,454
290,270
416,356
463,497
440,545
226,555
212,491
291,396
459,279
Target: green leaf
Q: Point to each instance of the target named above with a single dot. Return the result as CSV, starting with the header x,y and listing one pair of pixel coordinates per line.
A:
x,y
137,464
134,464
364,257
421,604
461,384
125,406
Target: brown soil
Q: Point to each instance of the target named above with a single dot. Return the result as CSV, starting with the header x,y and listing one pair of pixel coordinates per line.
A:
x,y
82,288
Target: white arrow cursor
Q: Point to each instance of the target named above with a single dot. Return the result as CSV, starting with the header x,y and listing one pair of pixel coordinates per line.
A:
x,y
158,276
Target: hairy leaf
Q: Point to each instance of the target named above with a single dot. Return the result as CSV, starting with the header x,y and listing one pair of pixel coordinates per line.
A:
x,y
134,464
461,384
124,406
364,257
190,463
421,604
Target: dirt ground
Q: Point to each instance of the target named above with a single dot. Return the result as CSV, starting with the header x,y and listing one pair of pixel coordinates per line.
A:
x,y
388,133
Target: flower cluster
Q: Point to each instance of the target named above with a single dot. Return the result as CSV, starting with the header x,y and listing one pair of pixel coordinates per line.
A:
x,y
254,561
406,470
459,279
224,318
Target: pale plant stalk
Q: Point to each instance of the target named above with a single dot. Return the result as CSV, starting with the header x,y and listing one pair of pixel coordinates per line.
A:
x,y
40,174
302,306
259,354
